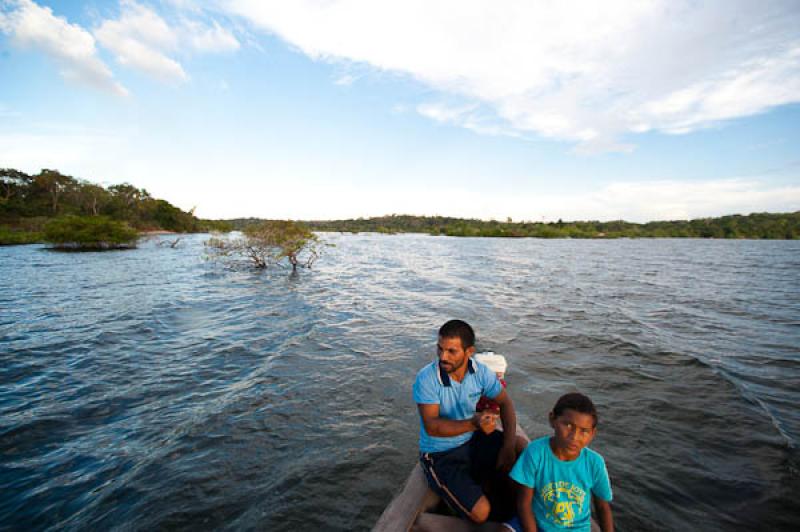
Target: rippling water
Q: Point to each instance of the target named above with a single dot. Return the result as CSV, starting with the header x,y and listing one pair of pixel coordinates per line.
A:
x,y
149,389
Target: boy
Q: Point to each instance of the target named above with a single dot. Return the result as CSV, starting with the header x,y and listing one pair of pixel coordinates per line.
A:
x,y
558,477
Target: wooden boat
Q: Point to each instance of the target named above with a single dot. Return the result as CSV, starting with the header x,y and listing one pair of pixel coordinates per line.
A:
x,y
418,509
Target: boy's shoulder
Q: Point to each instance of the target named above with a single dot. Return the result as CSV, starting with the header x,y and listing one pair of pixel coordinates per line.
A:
x,y
538,447
593,454
539,442
593,457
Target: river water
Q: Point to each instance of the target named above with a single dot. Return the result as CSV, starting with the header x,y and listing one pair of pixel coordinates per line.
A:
x,y
150,389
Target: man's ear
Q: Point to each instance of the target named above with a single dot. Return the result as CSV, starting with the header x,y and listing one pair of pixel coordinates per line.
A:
x,y
470,351
552,418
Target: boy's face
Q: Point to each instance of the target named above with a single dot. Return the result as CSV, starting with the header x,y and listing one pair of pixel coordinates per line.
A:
x,y
452,355
572,432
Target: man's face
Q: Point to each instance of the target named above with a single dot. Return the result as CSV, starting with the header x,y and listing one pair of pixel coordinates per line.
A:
x,y
452,355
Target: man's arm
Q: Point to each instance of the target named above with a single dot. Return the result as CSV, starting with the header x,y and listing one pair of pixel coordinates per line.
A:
x,y
507,456
443,427
606,520
525,507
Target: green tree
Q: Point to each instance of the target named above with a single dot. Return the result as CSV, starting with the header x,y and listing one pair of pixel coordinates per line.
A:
x,y
126,201
13,183
27,202
91,198
55,185
270,242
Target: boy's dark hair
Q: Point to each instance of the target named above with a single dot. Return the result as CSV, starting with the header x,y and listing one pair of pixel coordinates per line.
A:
x,y
577,402
458,329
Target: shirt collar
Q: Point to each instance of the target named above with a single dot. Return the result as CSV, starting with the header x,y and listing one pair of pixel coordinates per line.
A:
x,y
444,378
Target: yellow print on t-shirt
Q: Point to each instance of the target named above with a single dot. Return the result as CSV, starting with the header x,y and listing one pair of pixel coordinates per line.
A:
x,y
563,501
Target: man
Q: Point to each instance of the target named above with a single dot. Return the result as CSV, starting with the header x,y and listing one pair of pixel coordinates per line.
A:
x,y
460,451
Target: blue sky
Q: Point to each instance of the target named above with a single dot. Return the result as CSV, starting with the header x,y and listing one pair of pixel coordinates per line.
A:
x,y
315,109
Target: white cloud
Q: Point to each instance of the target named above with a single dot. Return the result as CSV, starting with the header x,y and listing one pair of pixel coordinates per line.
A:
x,y
139,38
586,72
631,201
672,200
188,5
641,201
445,114
469,116
72,47
142,39
739,92
345,80
212,38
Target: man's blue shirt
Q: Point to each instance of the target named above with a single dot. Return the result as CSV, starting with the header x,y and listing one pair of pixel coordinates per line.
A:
x,y
456,400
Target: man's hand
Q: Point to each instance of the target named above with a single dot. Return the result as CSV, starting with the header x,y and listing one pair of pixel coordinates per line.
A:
x,y
442,427
506,458
485,421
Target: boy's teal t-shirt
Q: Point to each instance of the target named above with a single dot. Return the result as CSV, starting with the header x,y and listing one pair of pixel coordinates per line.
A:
x,y
563,496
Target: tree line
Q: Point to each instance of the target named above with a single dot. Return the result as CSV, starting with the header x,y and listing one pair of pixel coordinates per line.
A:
x,y
29,202
756,226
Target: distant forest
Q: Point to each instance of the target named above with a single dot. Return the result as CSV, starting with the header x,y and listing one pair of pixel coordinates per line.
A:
x,y
757,226
28,202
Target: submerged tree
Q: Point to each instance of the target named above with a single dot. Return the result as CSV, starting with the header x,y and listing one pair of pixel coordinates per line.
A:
x,y
89,233
268,243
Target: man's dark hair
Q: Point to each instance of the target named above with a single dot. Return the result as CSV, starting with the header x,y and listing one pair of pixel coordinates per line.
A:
x,y
458,329
577,402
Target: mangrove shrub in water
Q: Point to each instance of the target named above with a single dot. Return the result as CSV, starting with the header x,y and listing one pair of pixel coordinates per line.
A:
x,y
89,233
270,242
